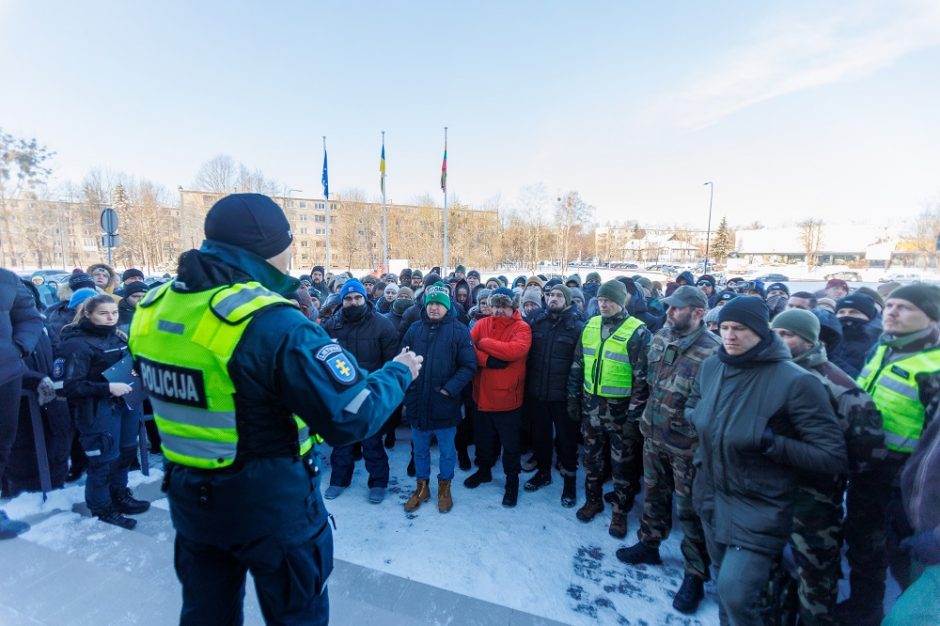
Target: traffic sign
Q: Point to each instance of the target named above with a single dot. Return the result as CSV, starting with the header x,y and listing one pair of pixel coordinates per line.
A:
x,y
110,241
109,221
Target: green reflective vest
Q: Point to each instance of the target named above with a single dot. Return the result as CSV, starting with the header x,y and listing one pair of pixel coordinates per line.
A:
x,y
607,369
182,343
894,389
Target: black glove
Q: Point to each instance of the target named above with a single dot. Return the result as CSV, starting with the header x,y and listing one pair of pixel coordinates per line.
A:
x,y
574,409
496,364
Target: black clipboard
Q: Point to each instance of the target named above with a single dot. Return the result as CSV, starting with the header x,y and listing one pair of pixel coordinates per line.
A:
x,y
123,372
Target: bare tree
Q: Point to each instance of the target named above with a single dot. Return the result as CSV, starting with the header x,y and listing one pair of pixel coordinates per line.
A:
x,y
23,168
925,232
219,174
571,214
811,236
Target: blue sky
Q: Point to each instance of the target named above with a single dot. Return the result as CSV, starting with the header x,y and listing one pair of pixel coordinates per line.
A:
x,y
794,109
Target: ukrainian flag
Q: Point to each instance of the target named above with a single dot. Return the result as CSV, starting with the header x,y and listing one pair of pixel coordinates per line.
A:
x,y
382,167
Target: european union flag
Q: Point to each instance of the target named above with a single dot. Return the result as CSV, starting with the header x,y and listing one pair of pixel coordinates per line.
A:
x,y
326,178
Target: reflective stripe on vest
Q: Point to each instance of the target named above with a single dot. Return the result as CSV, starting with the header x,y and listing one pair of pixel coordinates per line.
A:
x,y
894,389
183,343
610,376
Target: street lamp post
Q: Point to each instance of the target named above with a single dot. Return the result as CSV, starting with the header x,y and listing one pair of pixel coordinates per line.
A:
x,y
708,233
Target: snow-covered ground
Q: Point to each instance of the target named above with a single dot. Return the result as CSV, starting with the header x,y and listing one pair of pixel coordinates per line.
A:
x,y
537,558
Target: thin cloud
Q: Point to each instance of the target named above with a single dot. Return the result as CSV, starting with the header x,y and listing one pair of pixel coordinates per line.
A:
x,y
798,55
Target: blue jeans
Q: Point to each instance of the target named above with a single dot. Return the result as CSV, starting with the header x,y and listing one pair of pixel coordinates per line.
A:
x,y
445,443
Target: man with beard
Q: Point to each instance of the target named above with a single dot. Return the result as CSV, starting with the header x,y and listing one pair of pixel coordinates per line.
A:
x,y
556,331
676,352
373,340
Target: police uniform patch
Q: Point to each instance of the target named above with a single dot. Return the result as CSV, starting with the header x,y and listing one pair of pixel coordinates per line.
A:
x,y
337,363
58,369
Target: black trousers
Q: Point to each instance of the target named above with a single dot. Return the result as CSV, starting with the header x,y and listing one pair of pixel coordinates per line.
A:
x,y
505,424
9,418
549,417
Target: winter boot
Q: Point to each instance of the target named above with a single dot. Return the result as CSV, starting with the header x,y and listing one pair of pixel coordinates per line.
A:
x,y
539,480
591,508
689,595
512,491
124,502
11,528
332,492
111,516
569,493
618,525
421,495
463,458
376,495
639,553
444,500
479,477
530,464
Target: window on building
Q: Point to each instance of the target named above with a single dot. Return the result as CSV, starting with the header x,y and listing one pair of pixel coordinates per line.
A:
x,y
303,204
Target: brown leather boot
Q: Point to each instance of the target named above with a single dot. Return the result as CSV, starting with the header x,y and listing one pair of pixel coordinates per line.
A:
x,y
618,525
421,495
444,500
591,508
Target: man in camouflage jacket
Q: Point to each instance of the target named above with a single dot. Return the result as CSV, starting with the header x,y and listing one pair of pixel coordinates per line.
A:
x,y
611,419
675,354
816,535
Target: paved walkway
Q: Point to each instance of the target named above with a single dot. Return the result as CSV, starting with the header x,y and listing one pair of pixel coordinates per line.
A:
x,y
81,572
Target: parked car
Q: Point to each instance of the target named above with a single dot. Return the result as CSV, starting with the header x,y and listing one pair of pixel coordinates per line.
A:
x,y
774,278
845,275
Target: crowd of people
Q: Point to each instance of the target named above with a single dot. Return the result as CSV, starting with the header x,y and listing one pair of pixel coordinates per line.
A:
x,y
786,426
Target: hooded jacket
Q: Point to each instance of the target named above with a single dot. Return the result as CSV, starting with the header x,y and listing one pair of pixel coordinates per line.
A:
x,y
687,276
743,487
449,365
507,339
858,339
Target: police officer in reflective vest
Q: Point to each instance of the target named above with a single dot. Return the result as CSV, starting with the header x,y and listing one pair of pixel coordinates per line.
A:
x,y
239,378
903,378
607,392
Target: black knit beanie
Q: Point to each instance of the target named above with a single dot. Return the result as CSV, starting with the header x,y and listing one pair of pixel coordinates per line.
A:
x,y
748,310
250,221
859,302
925,297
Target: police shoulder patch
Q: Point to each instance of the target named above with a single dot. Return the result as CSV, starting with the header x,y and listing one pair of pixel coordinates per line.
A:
x,y
338,365
58,369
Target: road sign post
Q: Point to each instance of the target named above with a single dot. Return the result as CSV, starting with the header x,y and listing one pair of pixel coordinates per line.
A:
x,y
109,223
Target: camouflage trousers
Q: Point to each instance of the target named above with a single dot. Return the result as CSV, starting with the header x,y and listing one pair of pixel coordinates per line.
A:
x,y
666,471
816,541
626,461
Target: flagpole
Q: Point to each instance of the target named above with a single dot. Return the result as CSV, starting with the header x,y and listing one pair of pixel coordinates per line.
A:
x,y
444,189
384,212
327,209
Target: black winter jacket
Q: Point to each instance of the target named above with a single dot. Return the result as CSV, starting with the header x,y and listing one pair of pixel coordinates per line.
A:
x,y
20,326
371,339
554,339
744,490
858,339
88,351
449,364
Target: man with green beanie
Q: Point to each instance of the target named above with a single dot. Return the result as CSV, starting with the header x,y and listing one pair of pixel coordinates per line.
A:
x,y
903,377
592,283
815,537
607,393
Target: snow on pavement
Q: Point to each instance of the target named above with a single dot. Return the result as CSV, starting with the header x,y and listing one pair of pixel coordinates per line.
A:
x,y
536,558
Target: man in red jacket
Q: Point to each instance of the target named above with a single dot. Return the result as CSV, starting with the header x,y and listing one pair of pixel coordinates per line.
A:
x,y
502,343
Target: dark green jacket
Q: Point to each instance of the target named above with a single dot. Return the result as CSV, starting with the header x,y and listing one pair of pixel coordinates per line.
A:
x,y
743,490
